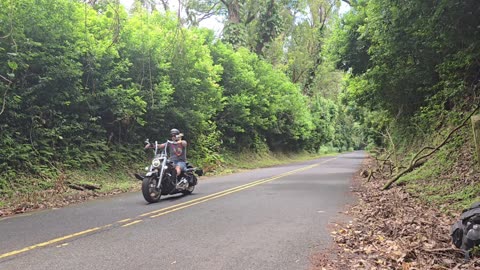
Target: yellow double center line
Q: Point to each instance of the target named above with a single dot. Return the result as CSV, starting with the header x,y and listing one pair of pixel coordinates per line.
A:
x,y
163,211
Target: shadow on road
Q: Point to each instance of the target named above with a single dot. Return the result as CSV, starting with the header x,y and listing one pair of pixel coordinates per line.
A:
x,y
170,198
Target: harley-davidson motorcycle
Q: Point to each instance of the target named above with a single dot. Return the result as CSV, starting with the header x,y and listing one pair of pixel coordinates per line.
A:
x,y
161,179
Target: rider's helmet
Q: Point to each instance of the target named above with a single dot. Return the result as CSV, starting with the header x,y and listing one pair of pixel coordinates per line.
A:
x,y
174,132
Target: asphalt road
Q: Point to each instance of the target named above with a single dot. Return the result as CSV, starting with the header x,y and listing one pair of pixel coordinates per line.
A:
x,y
271,218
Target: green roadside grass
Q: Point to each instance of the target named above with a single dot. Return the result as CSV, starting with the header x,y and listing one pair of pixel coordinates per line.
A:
x,y
448,180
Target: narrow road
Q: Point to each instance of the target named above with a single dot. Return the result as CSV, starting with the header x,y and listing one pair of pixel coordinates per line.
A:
x,y
271,218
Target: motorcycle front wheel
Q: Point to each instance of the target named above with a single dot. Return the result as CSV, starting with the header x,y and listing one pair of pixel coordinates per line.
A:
x,y
150,191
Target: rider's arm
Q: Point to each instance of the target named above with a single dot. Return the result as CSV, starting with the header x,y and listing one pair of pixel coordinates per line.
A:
x,y
151,145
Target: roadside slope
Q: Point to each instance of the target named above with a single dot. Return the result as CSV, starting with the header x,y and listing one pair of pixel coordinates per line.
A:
x,y
393,229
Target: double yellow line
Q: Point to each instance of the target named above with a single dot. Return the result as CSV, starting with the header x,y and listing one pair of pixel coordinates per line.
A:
x,y
163,211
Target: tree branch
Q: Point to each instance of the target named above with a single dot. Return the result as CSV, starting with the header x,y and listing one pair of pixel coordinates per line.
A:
x,y
5,79
4,99
415,160
165,5
208,13
250,18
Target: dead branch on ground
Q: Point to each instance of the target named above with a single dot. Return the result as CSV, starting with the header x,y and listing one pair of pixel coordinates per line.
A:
x,y
415,161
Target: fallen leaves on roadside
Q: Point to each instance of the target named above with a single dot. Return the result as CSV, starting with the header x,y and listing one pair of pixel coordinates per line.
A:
x,y
392,230
49,199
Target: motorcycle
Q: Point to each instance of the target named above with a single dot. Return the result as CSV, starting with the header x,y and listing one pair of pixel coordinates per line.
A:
x,y
161,179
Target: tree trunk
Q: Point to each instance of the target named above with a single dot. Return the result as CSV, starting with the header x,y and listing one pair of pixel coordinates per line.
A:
x,y
233,11
268,34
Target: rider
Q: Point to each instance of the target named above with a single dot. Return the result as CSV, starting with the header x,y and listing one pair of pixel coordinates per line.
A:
x,y
177,151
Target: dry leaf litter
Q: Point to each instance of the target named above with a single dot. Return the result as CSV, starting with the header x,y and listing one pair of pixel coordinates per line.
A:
x,y
391,230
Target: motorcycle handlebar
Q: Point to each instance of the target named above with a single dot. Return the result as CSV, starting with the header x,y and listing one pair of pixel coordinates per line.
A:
x,y
151,145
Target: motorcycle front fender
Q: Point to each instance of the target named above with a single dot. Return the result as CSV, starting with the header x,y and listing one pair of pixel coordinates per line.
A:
x,y
138,176
151,173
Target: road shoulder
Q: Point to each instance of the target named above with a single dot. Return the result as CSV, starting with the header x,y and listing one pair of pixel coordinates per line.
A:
x,y
390,230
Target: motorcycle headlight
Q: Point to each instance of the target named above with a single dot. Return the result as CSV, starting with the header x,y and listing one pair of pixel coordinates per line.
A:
x,y
156,162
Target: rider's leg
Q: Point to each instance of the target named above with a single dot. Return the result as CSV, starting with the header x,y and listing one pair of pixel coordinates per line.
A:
x,y
178,169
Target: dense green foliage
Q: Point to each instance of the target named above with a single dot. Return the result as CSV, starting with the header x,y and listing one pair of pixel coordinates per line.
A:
x,y
416,64
82,85
413,73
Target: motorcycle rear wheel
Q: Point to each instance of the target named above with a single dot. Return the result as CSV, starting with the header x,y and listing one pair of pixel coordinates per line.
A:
x,y
150,191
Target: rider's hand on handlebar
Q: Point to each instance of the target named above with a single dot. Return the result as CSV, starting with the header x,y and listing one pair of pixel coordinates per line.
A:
x,y
147,146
